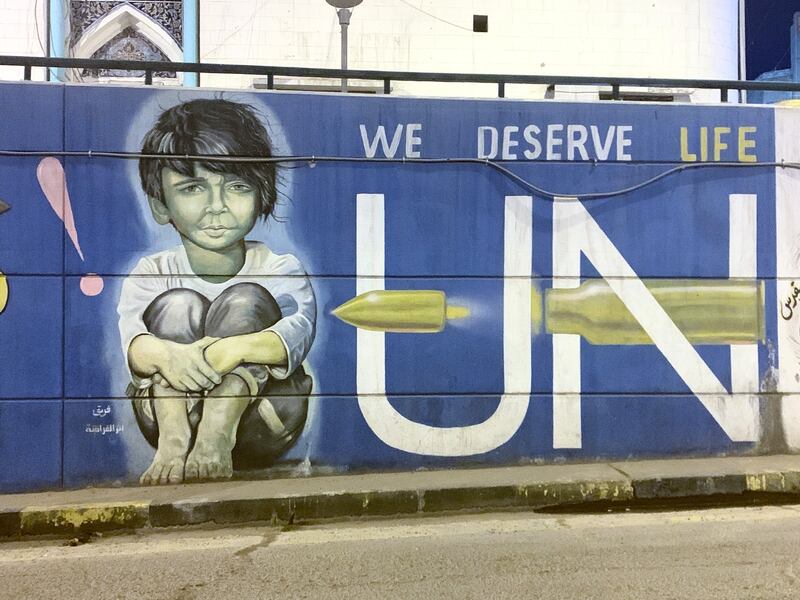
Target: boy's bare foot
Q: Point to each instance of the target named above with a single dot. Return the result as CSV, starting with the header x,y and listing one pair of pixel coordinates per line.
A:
x,y
216,434
210,460
174,436
167,466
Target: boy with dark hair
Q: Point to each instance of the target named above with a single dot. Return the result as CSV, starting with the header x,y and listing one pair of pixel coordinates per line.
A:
x,y
214,330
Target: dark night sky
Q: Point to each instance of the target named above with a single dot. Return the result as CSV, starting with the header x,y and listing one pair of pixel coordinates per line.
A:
x,y
768,23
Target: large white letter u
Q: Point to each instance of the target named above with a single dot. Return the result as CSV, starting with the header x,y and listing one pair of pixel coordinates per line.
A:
x,y
386,422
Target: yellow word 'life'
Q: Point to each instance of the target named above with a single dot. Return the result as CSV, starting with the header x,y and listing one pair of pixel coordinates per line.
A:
x,y
716,142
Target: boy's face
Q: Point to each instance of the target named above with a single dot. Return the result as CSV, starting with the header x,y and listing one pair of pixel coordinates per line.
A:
x,y
212,210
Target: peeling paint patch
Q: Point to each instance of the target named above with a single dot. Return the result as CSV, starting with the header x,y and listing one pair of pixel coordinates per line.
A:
x,y
781,482
96,517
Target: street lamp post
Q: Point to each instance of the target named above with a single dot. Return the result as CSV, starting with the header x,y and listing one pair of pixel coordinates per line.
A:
x,y
343,10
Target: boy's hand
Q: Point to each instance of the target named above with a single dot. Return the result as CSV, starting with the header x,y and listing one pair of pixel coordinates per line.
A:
x,y
222,355
184,366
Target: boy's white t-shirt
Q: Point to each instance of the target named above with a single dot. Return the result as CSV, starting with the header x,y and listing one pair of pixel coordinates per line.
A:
x,y
281,274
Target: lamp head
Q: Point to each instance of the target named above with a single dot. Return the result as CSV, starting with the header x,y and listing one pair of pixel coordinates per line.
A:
x,y
344,3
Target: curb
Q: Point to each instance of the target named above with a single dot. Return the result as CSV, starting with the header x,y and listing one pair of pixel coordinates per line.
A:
x,y
106,516
98,517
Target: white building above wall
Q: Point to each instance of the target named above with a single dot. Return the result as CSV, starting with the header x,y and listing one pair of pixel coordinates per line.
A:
x,y
686,39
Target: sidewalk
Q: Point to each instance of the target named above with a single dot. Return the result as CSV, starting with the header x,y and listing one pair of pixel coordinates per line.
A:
x,y
385,494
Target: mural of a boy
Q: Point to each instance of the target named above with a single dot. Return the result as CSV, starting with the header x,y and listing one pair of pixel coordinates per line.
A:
x,y
216,329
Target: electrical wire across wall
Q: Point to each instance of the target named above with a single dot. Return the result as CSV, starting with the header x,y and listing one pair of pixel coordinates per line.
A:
x,y
310,161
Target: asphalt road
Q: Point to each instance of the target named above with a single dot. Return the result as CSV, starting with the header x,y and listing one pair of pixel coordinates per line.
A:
x,y
746,553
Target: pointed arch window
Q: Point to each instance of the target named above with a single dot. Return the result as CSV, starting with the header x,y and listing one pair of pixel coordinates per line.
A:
x,y
126,31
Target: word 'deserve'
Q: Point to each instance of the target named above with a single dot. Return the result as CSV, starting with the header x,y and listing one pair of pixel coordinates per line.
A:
x,y
555,141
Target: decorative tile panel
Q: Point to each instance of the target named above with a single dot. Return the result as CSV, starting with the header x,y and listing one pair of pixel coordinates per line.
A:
x,y
84,13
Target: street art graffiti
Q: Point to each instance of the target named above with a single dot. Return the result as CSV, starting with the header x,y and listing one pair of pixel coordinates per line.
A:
x,y
218,316
201,285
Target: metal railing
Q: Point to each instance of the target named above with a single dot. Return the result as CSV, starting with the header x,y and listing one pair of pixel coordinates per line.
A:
x,y
27,63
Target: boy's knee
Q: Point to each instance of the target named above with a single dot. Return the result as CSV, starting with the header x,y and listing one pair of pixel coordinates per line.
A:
x,y
240,309
245,293
177,315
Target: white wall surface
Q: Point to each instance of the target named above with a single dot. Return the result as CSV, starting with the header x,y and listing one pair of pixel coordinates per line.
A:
x,y
19,20
636,38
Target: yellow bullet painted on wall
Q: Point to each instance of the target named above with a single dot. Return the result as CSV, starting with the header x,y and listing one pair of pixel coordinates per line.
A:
x,y
707,311
400,311
722,311
3,292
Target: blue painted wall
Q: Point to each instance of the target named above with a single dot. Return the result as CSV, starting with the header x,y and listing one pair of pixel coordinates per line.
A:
x,y
65,420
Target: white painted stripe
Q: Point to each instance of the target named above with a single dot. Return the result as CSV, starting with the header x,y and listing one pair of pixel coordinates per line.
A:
x,y
371,349
744,369
387,423
370,242
567,432
743,235
742,248
566,402
787,224
517,271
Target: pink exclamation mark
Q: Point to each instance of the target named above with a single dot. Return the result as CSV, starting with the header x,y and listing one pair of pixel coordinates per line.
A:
x,y
53,182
